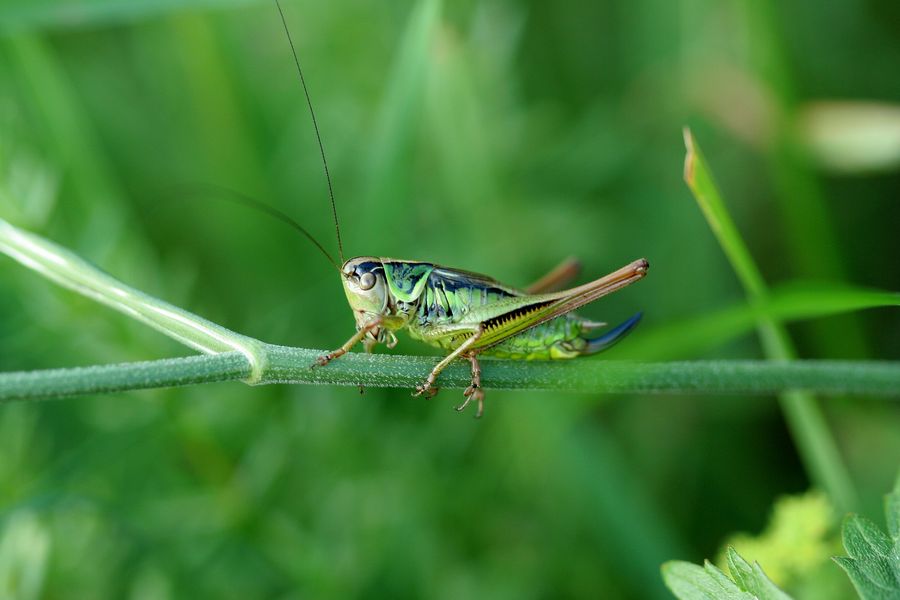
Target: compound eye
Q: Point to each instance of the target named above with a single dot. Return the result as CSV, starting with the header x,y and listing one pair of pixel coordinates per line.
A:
x,y
367,281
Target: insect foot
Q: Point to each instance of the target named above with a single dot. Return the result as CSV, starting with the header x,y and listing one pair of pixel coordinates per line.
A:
x,y
473,392
323,360
426,389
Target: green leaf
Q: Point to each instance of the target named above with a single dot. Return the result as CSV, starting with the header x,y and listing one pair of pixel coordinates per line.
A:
x,y
797,543
791,302
752,579
693,582
874,562
892,510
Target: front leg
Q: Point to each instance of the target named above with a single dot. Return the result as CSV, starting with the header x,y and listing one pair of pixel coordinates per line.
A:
x,y
323,360
426,386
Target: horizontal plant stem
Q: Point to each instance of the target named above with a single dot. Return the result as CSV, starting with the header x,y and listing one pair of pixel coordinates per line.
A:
x,y
292,365
102,379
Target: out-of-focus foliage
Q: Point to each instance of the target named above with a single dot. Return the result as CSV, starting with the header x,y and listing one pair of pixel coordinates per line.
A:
x,y
493,135
24,549
853,137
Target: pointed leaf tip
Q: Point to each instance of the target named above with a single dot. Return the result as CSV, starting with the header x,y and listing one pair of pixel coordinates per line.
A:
x,y
892,511
693,582
873,564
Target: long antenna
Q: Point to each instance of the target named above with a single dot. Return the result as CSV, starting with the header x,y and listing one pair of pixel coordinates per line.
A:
x,y
202,189
312,113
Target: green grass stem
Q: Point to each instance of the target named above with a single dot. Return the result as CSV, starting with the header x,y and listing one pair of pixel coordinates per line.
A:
x,y
807,424
292,365
813,242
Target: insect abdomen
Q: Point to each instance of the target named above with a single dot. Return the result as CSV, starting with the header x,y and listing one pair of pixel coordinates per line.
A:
x,y
558,338
567,336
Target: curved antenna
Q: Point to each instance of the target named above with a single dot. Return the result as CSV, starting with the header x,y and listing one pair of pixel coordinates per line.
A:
x,y
230,195
312,113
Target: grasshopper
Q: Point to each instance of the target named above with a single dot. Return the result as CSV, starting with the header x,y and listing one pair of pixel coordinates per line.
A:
x,y
466,314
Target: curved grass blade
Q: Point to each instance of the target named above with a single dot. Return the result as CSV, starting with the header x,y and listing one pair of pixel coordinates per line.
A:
x,y
73,272
805,420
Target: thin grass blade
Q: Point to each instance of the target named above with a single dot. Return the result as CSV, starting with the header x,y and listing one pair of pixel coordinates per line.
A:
x,y
817,448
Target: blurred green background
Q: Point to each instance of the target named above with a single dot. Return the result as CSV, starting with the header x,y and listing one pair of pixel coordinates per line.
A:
x,y
493,135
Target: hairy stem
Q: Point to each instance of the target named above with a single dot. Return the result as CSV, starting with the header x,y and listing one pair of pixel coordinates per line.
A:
x,y
292,365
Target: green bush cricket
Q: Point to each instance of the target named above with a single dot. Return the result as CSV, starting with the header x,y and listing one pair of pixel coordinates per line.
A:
x,y
465,313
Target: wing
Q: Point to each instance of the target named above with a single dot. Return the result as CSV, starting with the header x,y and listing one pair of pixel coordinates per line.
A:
x,y
463,278
514,314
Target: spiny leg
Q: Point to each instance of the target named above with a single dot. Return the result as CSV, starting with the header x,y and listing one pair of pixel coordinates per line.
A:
x,y
357,337
474,391
426,386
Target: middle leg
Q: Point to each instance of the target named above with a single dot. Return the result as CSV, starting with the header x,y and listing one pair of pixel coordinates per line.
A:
x,y
426,387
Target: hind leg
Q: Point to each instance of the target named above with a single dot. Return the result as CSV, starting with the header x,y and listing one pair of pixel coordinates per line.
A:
x,y
562,274
474,391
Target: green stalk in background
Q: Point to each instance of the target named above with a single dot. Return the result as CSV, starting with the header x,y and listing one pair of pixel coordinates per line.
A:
x,y
806,422
812,241
397,120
